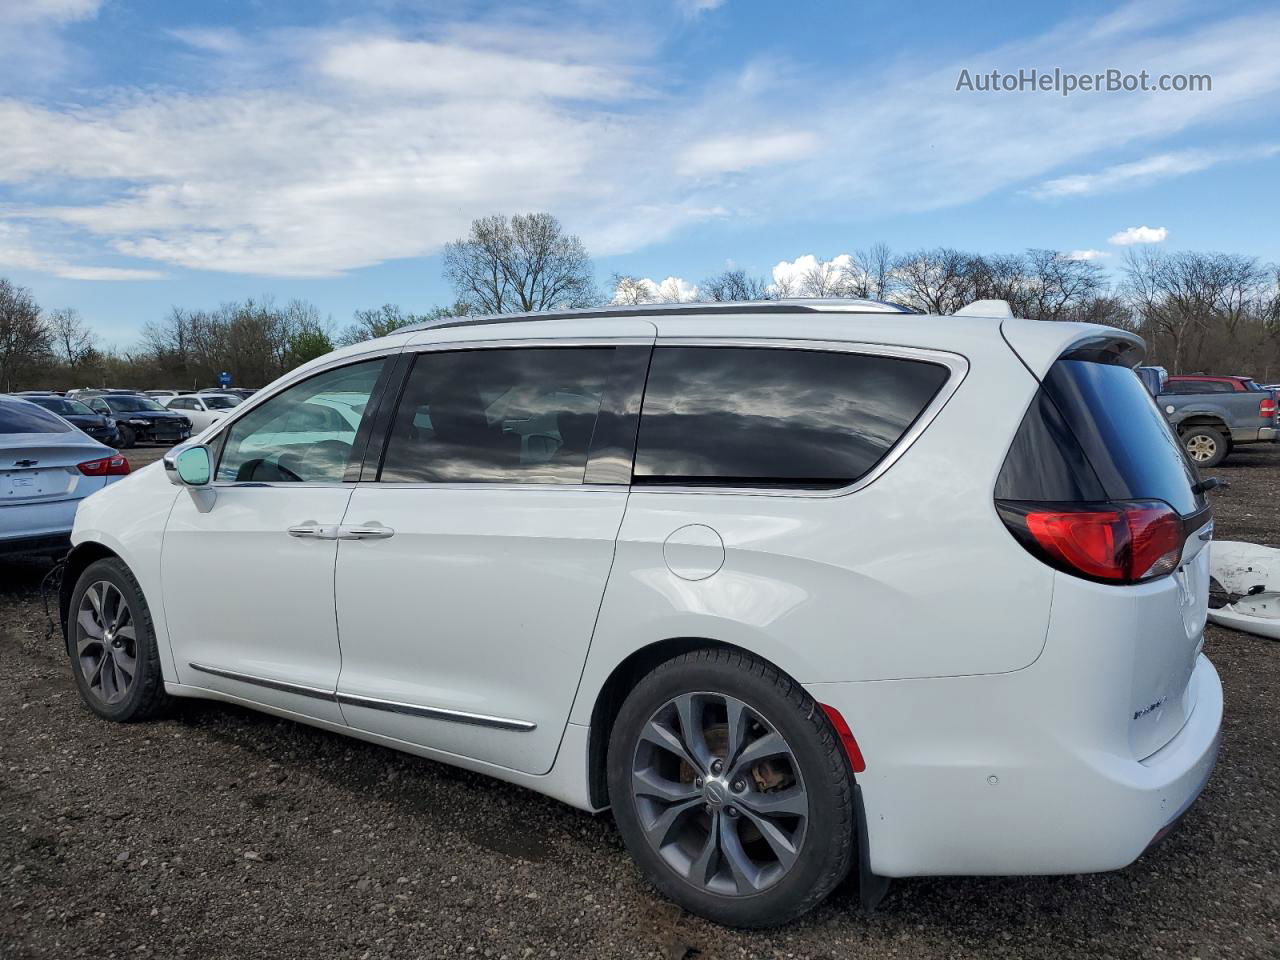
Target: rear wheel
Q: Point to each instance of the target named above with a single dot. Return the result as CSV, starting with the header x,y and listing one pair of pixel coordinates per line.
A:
x,y
730,789
112,643
1206,446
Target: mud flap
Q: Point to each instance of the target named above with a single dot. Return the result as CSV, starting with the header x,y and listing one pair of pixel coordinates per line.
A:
x,y
871,888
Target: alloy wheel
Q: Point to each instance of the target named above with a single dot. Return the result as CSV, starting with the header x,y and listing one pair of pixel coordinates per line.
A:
x,y
719,794
106,642
1201,448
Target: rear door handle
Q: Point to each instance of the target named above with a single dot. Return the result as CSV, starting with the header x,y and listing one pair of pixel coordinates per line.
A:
x,y
313,531
367,531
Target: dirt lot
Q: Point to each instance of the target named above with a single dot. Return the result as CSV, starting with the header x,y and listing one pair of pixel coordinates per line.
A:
x,y
223,833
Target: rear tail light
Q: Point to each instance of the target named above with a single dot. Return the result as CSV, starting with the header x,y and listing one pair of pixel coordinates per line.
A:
x,y
1267,408
113,466
1122,542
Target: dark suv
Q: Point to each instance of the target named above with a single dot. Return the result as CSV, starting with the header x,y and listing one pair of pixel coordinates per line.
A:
x,y
140,419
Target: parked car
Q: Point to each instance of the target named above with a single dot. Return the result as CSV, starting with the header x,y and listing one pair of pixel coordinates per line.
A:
x,y
99,426
697,565
140,419
203,409
162,396
1213,415
47,467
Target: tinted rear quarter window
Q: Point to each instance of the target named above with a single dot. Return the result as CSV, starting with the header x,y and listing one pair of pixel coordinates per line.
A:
x,y
1093,433
775,417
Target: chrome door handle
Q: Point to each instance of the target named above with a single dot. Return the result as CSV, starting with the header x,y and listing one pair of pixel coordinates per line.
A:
x,y
313,531
371,531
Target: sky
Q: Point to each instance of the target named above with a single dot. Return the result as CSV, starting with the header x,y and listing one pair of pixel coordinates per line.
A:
x,y
156,154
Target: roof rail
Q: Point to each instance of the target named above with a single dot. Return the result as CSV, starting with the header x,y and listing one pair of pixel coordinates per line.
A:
x,y
815,305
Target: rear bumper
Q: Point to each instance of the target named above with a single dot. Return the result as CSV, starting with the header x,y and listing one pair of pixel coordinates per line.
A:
x,y
964,780
1267,434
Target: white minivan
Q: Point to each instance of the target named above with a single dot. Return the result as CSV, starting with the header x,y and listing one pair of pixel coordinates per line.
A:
x,y
795,588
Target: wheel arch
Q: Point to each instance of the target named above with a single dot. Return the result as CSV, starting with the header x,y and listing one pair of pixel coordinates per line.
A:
x,y
76,562
621,680
1204,420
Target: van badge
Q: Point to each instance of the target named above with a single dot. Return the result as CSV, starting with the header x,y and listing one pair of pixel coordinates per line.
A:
x,y
1152,708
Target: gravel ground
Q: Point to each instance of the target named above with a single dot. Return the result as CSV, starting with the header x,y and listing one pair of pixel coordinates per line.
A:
x,y
223,833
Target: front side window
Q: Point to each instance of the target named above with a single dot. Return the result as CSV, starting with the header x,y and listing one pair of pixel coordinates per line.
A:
x,y
523,415
757,417
304,434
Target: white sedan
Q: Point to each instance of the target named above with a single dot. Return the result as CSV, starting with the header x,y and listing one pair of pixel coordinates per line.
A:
x,y
203,409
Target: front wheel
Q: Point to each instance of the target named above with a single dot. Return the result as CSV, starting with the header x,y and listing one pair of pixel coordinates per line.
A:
x,y
1206,446
730,789
127,438
112,643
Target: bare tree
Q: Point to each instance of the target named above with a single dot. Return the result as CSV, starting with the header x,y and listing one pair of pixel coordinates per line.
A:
x,y
629,290
72,339
1189,301
24,334
734,285
874,272
935,281
520,264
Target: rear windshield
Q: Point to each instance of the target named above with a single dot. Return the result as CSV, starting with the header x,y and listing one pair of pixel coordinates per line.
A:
x,y
1093,432
26,417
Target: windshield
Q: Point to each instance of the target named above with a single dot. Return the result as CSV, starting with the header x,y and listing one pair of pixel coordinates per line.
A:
x,y
63,407
130,404
23,417
221,403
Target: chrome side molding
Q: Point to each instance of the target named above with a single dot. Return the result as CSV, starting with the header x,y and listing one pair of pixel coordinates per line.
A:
x,y
371,703
437,713
319,693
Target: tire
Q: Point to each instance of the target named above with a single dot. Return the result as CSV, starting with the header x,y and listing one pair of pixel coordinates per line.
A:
x,y
118,674
1206,446
701,845
127,438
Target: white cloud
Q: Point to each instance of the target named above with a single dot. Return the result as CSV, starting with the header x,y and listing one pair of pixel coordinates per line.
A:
x,y
1143,234
644,290
730,154
59,11
325,150
1149,170
20,251
1086,254
692,8
388,65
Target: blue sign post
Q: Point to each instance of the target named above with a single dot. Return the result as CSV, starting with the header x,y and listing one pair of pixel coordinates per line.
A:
x,y
224,379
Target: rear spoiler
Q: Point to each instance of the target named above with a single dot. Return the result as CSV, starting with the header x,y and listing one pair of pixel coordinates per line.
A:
x,y
1040,343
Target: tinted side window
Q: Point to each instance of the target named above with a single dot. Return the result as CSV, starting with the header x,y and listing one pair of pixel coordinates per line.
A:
x,y
305,433
750,416
522,415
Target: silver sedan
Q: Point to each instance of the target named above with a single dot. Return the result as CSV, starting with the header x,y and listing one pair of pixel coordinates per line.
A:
x,y
47,466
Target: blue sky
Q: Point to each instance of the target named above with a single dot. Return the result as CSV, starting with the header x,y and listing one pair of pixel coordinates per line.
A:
x,y
157,153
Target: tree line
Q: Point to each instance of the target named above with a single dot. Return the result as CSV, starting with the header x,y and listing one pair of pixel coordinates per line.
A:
x,y
1210,312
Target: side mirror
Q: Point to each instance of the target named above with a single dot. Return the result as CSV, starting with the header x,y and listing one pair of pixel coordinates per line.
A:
x,y
189,465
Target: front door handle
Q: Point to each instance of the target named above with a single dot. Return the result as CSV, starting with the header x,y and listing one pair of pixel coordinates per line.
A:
x,y
313,531
366,531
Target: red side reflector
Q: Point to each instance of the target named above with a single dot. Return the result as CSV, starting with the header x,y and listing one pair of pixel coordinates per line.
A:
x,y
113,466
846,738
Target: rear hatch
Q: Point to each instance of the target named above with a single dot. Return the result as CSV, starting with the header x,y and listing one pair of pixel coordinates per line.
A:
x,y
1097,485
